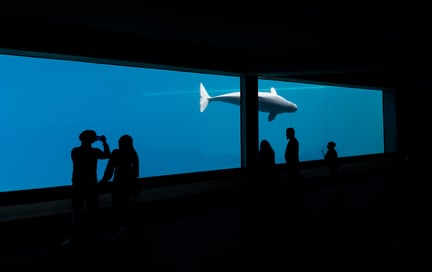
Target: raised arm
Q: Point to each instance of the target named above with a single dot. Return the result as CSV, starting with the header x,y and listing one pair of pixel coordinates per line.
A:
x,y
106,149
109,169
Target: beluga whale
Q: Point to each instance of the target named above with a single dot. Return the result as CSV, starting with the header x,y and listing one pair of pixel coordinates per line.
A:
x,y
269,102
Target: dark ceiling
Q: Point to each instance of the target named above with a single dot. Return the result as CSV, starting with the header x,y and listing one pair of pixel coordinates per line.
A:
x,y
377,46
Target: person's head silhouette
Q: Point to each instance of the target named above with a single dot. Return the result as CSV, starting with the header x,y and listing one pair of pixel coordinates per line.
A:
x,y
265,145
331,145
126,142
88,137
290,133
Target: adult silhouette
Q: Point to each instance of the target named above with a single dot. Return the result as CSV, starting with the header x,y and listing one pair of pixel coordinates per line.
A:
x,y
292,162
84,180
266,163
123,167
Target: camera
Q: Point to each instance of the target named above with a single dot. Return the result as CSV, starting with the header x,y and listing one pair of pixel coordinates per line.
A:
x,y
98,138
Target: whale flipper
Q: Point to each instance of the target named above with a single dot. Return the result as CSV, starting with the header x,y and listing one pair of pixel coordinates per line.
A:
x,y
271,116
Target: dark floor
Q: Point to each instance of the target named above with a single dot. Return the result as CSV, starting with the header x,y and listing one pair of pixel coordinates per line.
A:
x,y
318,229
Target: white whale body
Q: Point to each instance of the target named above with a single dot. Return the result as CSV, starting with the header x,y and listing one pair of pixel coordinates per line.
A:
x,y
269,102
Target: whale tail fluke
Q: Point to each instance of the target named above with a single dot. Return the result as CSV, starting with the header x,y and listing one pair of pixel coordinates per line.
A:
x,y
204,98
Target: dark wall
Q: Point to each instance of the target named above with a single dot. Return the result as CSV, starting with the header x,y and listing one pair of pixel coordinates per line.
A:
x,y
413,119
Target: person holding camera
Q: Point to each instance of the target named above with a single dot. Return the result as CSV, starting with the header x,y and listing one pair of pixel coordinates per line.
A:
x,y
84,180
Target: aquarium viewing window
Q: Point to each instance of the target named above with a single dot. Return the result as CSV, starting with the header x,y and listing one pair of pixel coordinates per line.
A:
x,y
46,103
181,122
350,117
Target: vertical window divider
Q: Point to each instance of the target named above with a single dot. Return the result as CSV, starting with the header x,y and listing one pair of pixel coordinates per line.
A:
x,y
249,121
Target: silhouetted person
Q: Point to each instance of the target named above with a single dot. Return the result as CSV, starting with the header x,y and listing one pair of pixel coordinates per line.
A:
x,y
292,161
266,164
331,158
124,166
84,180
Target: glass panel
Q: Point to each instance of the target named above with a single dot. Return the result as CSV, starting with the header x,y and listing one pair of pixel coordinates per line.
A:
x,y
351,117
46,103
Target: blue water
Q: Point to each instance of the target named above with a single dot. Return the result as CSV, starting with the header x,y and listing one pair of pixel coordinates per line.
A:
x,y
351,117
46,103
